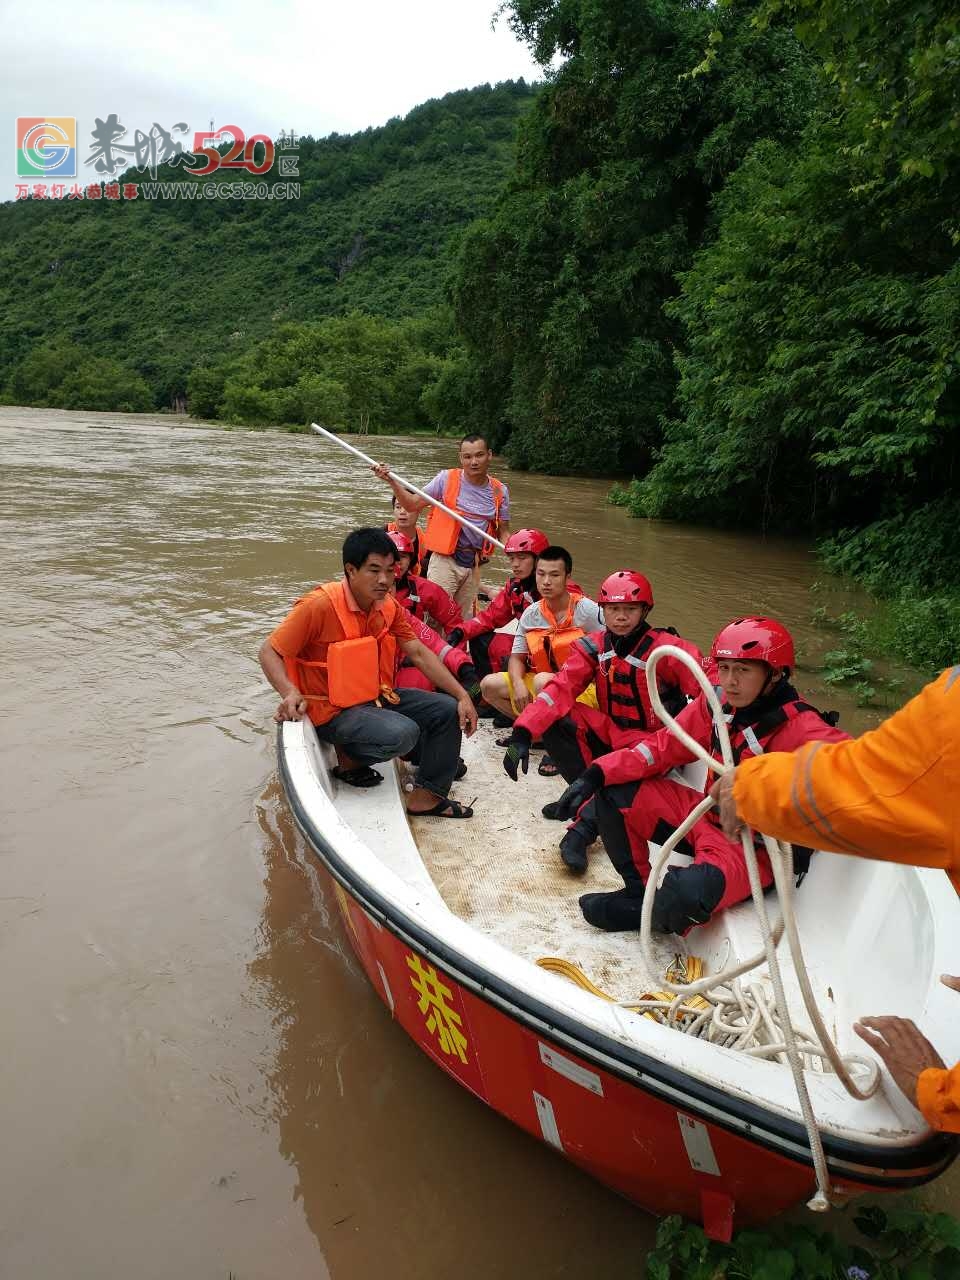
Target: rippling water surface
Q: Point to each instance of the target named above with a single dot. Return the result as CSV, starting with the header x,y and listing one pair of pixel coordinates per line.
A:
x,y
196,1078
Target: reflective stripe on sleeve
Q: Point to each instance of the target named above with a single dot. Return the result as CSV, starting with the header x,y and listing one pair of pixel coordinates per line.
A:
x,y
645,752
546,698
444,651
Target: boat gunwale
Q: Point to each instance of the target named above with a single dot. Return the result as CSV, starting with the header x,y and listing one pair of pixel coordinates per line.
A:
x,y
869,1164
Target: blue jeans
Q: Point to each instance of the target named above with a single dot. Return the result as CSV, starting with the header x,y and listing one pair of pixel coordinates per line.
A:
x,y
422,726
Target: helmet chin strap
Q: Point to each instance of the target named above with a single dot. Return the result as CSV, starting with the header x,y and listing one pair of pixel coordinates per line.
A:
x,y
623,644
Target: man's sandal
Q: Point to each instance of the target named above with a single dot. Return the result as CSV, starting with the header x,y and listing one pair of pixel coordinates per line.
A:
x,y
548,767
361,776
444,808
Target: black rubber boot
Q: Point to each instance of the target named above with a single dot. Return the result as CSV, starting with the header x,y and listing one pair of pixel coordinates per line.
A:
x,y
617,912
573,851
687,897
550,811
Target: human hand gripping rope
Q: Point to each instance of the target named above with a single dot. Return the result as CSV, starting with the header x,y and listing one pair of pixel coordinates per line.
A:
x,y
740,1015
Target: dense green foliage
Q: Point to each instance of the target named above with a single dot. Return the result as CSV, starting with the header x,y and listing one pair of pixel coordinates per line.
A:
x,y
912,562
895,1244
560,293
356,371
819,378
164,287
820,355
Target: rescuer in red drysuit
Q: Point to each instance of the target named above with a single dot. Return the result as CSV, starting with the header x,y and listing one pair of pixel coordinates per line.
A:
x,y
419,596
489,648
637,803
457,661
406,522
614,661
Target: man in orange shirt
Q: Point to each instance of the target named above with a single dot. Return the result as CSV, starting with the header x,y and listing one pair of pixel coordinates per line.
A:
x,y
334,657
892,794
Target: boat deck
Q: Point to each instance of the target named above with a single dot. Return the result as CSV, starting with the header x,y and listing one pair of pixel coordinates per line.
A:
x,y
500,871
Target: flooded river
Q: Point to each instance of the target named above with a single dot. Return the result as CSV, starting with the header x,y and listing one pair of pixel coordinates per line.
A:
x,y
196,1078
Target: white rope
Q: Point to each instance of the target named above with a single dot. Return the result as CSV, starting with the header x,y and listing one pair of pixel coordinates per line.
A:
x,y
748,1019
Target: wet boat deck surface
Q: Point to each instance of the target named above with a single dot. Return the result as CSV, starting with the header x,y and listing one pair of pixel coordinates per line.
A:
x,y
501,872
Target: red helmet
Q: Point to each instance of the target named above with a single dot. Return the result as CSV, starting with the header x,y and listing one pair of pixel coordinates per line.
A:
x,y
527,541
626,586
400,540
755,640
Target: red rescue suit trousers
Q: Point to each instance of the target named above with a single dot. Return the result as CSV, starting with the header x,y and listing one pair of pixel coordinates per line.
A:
x,y
654,810
577,739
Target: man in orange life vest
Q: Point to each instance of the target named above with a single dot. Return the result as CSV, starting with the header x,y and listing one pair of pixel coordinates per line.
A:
x,y
334,657
637,804
892,794
456,552
547,632
613,660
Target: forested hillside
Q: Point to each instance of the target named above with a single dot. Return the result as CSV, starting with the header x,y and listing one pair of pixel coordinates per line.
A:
x,y
109,304
729,262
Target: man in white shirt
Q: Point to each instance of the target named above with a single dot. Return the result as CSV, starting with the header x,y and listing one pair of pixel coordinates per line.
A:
x,y
546,633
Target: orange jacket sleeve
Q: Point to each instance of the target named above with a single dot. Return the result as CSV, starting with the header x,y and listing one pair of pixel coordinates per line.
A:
x,y
893,794
938,1097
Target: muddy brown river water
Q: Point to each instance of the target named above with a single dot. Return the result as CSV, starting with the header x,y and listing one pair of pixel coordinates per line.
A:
x,y
196,1078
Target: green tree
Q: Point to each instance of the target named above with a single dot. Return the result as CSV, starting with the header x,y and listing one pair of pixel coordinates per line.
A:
x,y
821,329
559,294
166,286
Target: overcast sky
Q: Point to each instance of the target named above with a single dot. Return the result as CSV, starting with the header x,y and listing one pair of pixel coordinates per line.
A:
x,y
317,67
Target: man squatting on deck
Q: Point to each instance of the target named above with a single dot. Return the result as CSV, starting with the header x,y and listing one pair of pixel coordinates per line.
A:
x,y
335,658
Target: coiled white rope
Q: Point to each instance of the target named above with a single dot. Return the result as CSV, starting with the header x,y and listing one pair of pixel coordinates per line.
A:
x,y
743,1018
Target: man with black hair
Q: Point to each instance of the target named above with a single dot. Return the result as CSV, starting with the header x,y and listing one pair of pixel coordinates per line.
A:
x,y
613,661
637,803
547,632
455,552
334,658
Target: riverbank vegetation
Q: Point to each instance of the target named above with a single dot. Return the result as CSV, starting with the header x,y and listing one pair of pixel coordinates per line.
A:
x,y
893,1243
164,288
356,372
730,263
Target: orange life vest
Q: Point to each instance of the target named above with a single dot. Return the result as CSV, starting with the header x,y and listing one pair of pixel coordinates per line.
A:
x,y
359,668
550,647
442,531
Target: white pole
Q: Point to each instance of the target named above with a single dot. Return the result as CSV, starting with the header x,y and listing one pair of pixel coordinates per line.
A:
x,y
322,431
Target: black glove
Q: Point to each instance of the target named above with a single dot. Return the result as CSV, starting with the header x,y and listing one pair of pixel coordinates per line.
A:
x,y
517,754
585,786
467,675
455,637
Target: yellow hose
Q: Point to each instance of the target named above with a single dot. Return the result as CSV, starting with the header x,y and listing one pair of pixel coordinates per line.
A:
x,y
683,969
